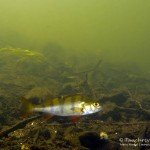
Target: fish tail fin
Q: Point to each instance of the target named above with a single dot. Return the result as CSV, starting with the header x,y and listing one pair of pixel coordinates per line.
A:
x,y
27,107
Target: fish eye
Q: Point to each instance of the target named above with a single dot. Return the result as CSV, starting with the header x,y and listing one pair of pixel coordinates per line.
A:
x,y
96,104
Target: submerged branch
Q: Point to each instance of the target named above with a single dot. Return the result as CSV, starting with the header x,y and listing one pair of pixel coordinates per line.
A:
x,y
19,125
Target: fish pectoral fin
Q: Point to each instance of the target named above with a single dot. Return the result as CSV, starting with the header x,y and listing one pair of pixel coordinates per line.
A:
x,y
77,109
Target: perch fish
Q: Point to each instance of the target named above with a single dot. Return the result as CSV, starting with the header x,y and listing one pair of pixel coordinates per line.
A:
x,y
75,105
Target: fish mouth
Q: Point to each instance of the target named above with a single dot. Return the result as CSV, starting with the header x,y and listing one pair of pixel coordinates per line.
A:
x,y
99,109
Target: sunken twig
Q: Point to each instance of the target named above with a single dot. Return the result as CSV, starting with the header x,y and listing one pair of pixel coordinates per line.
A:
x,y
19,125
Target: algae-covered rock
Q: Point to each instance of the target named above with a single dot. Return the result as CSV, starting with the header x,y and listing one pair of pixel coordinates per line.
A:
x,y
21,60
23,68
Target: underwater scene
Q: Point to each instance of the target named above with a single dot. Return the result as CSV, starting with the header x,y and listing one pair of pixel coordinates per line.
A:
x,y
74,75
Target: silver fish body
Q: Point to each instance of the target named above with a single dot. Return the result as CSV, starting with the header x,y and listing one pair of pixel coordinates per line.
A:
x,y
78,109
75,105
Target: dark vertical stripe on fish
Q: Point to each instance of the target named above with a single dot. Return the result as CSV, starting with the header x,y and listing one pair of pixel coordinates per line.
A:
x,y
61,104
91,108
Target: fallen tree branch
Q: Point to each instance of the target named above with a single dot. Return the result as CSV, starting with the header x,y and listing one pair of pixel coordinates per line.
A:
x,y
19,125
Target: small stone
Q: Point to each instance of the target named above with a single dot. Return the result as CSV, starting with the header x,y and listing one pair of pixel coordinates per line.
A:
x,y
103,135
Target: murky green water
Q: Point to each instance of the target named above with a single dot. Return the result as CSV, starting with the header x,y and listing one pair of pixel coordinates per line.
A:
x,y
116,30
55,48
